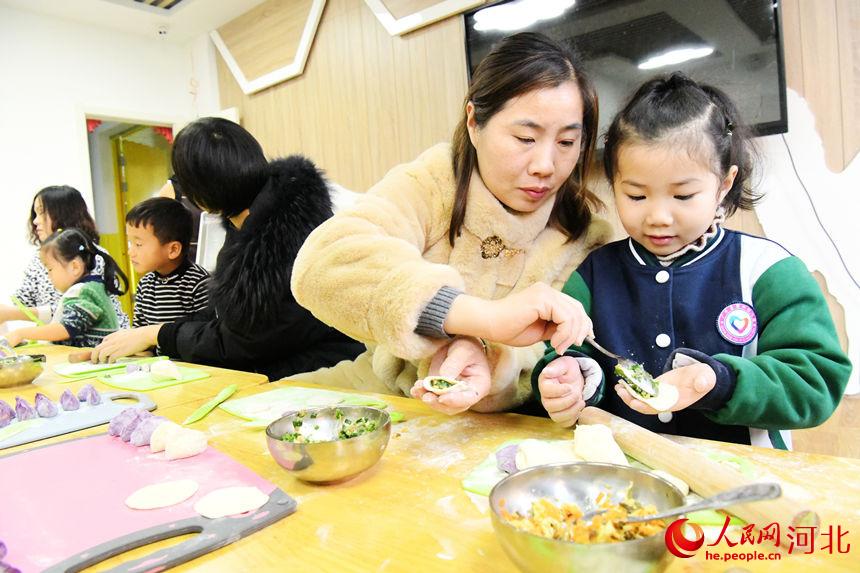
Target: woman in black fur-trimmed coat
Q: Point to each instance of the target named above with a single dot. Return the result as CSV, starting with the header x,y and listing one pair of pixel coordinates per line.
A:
x,y
253,323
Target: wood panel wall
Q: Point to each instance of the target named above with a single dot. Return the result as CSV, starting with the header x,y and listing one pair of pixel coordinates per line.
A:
x,y
822,61
267,37
366,101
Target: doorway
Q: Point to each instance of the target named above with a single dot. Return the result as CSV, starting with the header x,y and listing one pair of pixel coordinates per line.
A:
x,y
129,163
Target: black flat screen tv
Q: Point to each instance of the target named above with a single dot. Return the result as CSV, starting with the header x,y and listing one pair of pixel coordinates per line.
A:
x,y
735,45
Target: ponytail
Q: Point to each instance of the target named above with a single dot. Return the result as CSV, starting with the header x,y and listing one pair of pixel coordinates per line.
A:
x,y
68,244
679,111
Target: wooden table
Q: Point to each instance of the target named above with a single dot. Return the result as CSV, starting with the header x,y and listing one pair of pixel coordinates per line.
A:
x,y
410,513
52,385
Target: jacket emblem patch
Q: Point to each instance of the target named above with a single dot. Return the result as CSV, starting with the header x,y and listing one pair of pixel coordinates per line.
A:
x,y
738,323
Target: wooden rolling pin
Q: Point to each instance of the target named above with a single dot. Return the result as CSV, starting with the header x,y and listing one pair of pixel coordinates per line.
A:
x,y
80,356
704,476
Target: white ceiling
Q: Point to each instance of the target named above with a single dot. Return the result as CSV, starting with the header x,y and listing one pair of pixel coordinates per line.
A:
x,y
186,21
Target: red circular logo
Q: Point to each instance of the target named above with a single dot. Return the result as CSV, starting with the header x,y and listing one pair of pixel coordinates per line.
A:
x,y
679,545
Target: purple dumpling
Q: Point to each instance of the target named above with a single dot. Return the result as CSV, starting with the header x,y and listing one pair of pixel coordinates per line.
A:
x,y
84,392
140,416
118,422
143,432
89,395
506,459
6,409
23,410
68,401
45,407
94,398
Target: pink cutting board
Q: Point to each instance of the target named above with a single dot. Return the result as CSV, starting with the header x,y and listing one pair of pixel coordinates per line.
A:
x,y
63,505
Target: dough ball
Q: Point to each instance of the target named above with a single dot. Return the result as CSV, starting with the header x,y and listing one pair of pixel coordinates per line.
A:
x,y
163,370
162,433
594,443
539,452
184,444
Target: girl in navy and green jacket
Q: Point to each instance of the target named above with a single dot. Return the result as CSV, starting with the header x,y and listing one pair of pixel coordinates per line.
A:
x,y
734,321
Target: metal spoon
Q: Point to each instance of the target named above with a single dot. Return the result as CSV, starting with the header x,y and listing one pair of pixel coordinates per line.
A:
x,y
645,385
745,493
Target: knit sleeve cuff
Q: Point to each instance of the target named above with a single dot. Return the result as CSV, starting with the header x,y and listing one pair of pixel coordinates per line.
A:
x,y
726,377
167,335
432,318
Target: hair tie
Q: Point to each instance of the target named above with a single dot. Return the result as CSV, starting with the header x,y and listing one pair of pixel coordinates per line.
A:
x,y
81,248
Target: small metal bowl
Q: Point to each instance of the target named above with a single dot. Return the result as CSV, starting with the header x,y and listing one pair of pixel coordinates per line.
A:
x,y
327,458
580,483
21,369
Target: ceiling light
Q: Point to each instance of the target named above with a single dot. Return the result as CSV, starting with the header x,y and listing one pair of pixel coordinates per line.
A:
x,y
673,57
519,15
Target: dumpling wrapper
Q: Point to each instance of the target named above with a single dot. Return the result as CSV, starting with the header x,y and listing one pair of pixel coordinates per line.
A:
x,y
667,396
455,385
164,494
531,453
230,501
164,370
594,443
185,444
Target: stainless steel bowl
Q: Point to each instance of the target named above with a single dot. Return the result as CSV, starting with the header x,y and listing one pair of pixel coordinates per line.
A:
x,y
21,369
580,483
327,458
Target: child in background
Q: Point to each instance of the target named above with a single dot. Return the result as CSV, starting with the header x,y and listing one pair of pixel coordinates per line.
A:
x,y
172,286
85,314
734,321
54,208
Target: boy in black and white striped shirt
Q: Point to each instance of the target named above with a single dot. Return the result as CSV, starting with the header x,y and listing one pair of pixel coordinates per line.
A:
x,y
172,286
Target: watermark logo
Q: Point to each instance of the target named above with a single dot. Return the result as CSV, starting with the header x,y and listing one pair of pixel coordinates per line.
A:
x,y
679,545
796,539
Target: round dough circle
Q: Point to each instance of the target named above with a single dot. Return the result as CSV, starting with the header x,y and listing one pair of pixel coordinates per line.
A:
x,y
163,494
230,501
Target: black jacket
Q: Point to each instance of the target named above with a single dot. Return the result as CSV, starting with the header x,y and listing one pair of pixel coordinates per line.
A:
x,y
253,323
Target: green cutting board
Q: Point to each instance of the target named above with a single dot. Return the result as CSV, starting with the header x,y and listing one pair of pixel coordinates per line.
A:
x,y
267,407
140,381
82,370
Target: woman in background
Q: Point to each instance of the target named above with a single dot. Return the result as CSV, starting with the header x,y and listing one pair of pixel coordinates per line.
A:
x,y
54,208
253,323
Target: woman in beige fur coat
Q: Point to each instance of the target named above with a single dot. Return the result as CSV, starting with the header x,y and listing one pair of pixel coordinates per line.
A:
x,y
444,266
